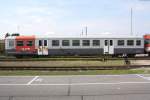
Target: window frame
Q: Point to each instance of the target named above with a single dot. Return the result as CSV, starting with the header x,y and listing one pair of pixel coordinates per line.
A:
x,y
121,43
40,43
111,43
56,43
139,42
28,43
12,43
20,41
45,42
130,44
106,42
85,43
63,43
75,44
95,43
147,41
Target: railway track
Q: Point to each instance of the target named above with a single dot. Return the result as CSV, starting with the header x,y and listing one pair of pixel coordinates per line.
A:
x,y
79,68
71,59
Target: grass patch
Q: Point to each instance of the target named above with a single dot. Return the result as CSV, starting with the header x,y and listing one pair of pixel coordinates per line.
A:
x,y
64,63
96,72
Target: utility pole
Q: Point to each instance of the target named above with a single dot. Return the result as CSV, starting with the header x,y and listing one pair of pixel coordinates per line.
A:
x,y
82,32
131,21
86,30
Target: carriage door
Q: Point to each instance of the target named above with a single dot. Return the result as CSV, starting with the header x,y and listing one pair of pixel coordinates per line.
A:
x,y
43,47
108,47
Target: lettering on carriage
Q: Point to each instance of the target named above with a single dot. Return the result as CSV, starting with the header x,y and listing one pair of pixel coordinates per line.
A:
x,y
25,49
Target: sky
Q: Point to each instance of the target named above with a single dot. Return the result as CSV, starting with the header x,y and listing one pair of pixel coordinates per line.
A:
x,y
69,17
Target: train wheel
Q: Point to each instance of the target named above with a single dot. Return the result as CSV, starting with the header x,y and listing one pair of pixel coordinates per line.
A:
x,y
131,55
19,56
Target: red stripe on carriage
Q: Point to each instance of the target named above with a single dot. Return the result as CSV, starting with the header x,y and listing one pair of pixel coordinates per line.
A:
x,y
147,45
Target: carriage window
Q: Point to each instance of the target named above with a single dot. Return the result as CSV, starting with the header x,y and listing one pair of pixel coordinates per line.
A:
x,y
96,42
11,43
45,42
106,42
65,43
29,43
130,42
120,42
55,42
147,41
75,42
19,43
111,42
40,42
138,42
86,43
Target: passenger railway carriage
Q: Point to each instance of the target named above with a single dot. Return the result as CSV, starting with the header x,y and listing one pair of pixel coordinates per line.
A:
x,y
32,45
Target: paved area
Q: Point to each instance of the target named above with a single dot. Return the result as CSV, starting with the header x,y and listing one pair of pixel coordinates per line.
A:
x,y
100,87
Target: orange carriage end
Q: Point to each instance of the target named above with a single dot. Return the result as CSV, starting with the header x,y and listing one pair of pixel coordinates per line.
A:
x,y
147,36
147,43
25,44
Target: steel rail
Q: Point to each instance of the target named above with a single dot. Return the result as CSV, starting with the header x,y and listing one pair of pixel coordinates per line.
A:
x,y
74,68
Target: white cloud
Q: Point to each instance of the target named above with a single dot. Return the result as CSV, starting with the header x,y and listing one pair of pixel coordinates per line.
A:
x,y
137,5
109,26
52,20
106,33
30,10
